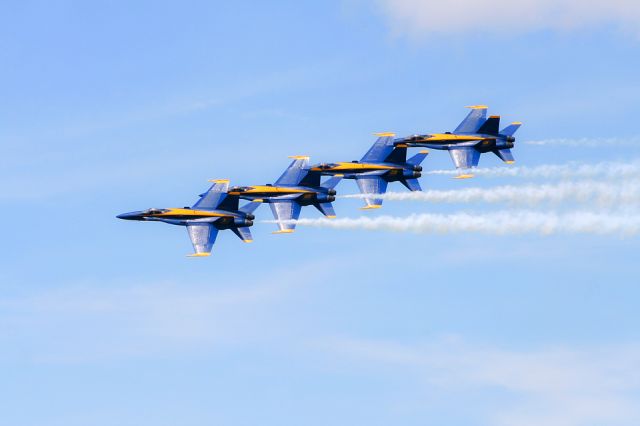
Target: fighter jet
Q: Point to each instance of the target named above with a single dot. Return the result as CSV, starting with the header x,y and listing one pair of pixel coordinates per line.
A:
x,y
385,162
214,211
297,187
474,136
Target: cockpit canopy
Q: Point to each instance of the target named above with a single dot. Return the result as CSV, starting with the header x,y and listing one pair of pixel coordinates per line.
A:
x,y
327,166
240,189
154,211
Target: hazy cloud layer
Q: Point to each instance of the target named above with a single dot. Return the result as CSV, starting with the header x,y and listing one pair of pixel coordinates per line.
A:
x,y
550,386
424,17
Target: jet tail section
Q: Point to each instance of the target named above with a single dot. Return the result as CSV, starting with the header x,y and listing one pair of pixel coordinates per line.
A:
x,y
244,233
491,126
417,159
326,209
411,184
250,207
332,182
505,155
511,129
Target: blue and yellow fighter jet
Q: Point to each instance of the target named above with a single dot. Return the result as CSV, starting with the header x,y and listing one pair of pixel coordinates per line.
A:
x,y
297,187
386,161
476,135
214,211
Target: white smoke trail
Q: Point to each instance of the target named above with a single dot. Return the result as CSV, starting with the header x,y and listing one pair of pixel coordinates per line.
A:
x,y
497,223
587,142
571,170
603,194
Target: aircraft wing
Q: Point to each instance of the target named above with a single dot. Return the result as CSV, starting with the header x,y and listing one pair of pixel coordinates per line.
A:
x,y
284,211
474,120
296,171
464,157
372,185
215,196
381,149
202,235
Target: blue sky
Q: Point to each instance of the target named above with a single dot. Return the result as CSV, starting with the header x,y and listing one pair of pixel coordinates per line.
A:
x,y
110,107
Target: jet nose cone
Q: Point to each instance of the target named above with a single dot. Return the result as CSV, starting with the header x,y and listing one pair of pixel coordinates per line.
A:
x,y
127,216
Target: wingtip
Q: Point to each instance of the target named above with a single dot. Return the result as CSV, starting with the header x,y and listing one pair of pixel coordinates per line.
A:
x,y
219,180
330,216
247,241
371,207
477,107
464,176
510,162
199,255
383,134
299,157
283,231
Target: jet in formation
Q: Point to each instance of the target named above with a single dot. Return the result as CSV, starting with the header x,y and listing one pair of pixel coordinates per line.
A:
x,y
476,135
298,186
301,184
214,211
386,161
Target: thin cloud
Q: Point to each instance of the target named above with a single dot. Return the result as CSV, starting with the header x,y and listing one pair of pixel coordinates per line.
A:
x,y
420,18
552,386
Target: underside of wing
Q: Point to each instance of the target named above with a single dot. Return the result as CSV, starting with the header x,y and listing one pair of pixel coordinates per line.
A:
x,y
372,186
202,235
284,212
464,157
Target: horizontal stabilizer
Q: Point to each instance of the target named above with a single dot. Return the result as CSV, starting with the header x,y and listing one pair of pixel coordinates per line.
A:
x,y
326,209
491,126
418,158
251,207
511,129
505,155
244,233
411,184
332,182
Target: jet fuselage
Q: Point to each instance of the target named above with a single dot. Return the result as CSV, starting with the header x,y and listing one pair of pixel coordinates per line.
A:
x,y
350,170
183,216
483,143
274,193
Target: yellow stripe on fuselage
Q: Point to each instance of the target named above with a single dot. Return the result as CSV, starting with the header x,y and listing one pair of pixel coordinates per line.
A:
x,y
265,190
188,214
445,137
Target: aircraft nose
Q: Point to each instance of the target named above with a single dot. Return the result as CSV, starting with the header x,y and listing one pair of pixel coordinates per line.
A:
x,y
128,216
